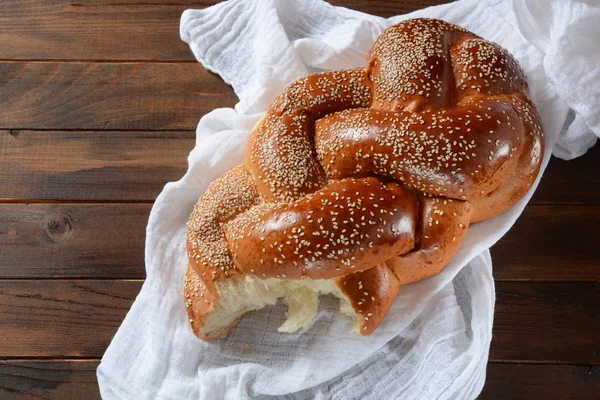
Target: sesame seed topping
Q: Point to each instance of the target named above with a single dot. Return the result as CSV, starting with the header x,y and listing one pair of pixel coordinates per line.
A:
x,y
346,165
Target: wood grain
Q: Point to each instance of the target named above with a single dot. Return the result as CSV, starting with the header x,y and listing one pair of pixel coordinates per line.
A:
x,y
134,166
142,96
548,322
76,380
573,181
107,241
119,29
62,318
49,380
93,30
551,243
541,322
91,165
63,240
541,381
116,122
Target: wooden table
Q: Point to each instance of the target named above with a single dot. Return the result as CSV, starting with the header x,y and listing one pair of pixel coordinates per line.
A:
x,y
98,104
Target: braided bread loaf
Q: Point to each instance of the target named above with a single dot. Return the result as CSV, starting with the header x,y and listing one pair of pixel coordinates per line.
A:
x,y
359,181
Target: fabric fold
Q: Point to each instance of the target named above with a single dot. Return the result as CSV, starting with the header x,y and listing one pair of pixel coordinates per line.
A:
x,y
435,340
567,35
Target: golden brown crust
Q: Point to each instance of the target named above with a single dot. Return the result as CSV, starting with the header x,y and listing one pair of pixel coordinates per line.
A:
x,y
349,226
525,170
410,67
199,301
371,294
371,176
444,224
225,198
462,153
280,151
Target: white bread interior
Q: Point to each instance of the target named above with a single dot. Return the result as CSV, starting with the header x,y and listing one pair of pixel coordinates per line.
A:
x,y
239,296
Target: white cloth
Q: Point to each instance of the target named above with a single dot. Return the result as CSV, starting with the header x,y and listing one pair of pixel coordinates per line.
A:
x,y
435,341
568,33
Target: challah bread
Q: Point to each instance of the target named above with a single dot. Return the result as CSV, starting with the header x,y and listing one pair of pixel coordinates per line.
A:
x,y
359,181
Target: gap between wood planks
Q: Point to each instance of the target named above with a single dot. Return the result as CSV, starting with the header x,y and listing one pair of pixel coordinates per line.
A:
x,y
73,201
85,240
97,61
148,201
121,29
43,318
71,166
98,359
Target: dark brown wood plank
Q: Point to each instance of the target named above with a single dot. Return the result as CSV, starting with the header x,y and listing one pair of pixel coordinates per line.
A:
x,y
113,96
119,29
554,243
541,322
107,240
575,181
549,322
49,380
93,30
386,8
76,379
541,381
134,166
62,318
91,165
65,240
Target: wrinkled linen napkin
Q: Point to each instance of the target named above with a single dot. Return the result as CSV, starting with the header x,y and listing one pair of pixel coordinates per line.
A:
x,y
435,341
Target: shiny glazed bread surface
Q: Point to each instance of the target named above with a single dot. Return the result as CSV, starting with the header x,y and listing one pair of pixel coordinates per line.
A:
x,y
372,174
